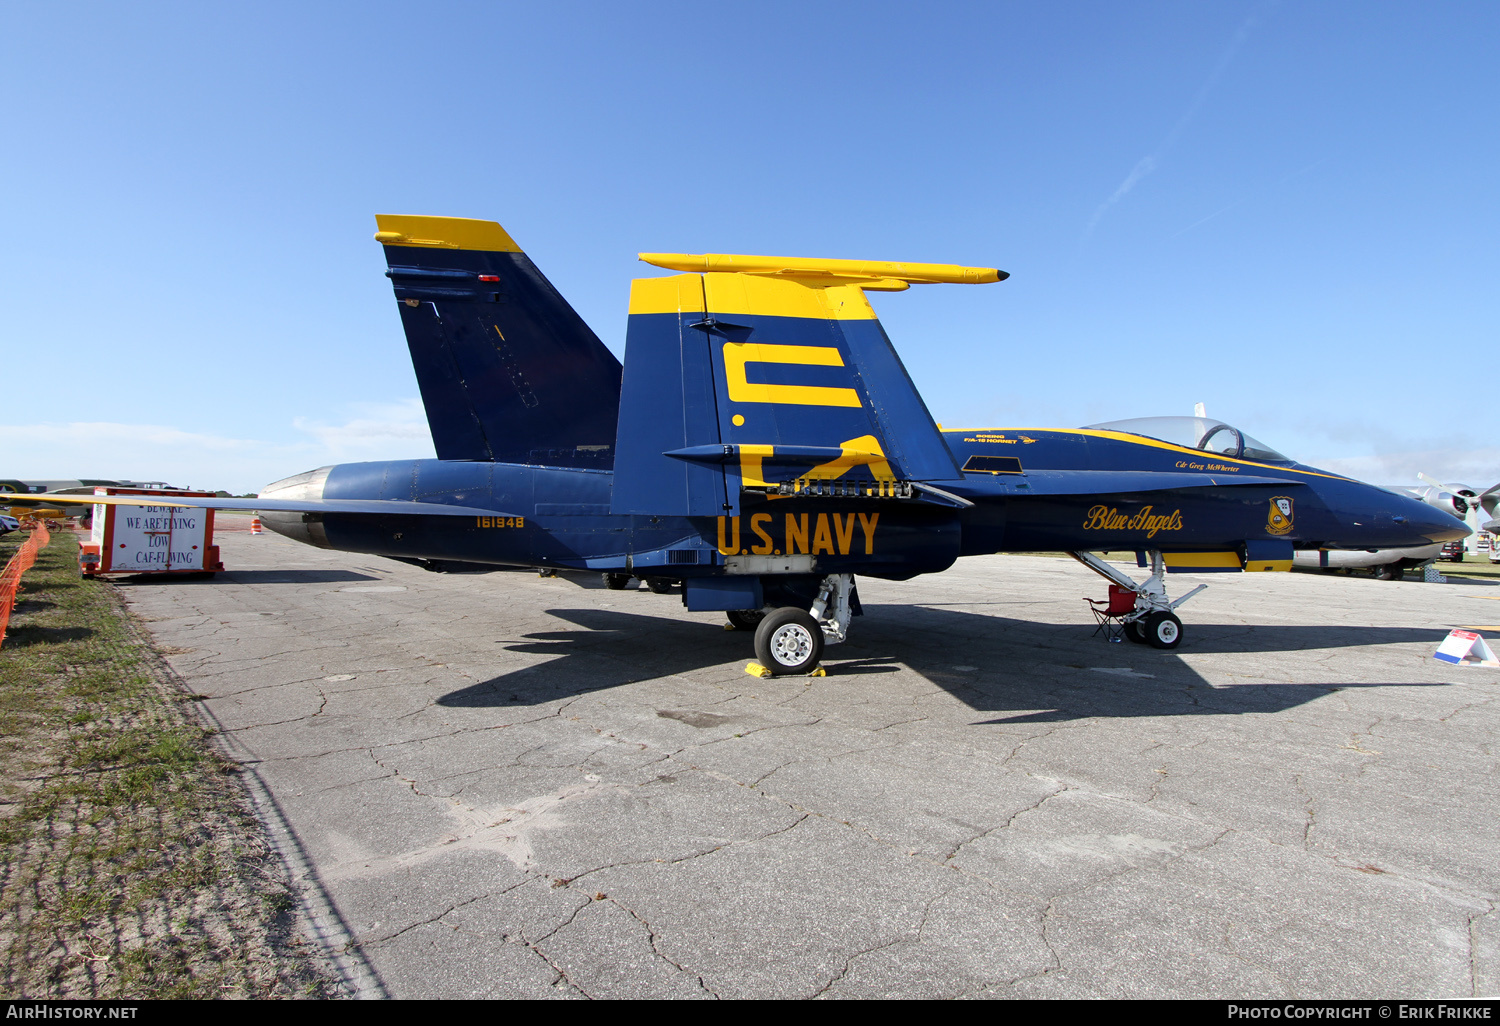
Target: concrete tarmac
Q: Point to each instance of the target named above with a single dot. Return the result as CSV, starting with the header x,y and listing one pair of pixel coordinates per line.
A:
x,y
504,785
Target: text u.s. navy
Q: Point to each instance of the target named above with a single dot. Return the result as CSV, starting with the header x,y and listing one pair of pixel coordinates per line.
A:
x,y
762,445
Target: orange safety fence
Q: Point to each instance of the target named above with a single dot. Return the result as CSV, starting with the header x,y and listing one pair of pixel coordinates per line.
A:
x,y
10,577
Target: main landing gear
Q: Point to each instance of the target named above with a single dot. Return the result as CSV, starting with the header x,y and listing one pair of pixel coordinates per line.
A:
x,y
1153,621
789,640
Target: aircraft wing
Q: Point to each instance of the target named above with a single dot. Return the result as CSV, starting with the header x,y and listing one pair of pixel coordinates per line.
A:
x,y
1099,482
389,507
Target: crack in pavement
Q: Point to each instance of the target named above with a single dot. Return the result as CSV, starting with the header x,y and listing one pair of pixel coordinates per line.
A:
x,y
1048,912
917,940
1308,810
1009,822
651,939
1473,947
424,922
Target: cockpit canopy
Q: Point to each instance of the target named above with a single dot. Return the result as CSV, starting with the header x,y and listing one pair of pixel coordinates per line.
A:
x,y
1197,433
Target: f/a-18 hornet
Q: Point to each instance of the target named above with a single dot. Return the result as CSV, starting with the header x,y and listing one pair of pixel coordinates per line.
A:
x,y
762,446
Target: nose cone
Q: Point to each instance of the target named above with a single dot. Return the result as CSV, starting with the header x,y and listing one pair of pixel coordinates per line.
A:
x,y
1429,523
303,527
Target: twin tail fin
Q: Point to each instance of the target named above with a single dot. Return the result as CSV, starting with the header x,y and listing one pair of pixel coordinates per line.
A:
x,y
507,369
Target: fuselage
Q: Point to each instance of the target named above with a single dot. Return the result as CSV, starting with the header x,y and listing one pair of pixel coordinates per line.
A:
x,y
561,516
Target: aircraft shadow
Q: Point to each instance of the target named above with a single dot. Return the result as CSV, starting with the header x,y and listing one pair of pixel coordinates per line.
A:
x,y
1022,670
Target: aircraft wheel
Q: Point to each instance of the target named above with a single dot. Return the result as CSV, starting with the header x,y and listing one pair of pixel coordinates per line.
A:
x,y
1389,572
1135,631
659,585
788,641
1163,630
746,619
616,582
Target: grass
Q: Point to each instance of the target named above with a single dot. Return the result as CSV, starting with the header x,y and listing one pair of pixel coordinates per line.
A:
x,y
1478,568
132,865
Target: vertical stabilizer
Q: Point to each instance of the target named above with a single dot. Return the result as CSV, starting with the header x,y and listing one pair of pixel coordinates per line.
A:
x,y
507,369
772,375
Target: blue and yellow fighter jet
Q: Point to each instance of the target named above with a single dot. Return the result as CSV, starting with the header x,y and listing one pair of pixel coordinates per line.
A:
x,y
763,445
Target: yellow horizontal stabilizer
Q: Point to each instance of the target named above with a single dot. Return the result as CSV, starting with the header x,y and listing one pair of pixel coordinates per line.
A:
x,y
443,233
882,275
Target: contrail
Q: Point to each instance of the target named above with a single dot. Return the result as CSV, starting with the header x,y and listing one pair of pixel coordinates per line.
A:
x,y
1152,161
1245,199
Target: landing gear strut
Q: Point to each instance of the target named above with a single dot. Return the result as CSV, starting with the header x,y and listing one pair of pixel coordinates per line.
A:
x,y
1153,621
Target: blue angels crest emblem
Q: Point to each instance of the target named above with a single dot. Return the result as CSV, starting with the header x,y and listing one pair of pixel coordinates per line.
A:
x,y
1280,520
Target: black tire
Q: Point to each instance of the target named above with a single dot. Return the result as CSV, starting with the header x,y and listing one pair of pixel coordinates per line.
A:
x,y
1389,572
1458,557
1163,630
659,585
746,619
1135,631
788,641
616,582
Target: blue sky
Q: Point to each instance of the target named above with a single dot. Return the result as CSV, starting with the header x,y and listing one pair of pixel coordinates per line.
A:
x,y
1284,210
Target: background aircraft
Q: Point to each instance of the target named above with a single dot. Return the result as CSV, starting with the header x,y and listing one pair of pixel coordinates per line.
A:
x,y
763,444
1466,503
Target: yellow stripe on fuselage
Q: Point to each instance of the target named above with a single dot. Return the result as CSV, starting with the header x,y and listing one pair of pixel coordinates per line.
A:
x,y
1201,560
443,233
1155,443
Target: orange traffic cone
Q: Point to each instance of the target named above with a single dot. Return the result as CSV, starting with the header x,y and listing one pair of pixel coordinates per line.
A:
x,y
255,527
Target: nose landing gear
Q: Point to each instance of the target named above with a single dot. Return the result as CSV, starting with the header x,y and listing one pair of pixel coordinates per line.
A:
x,y
1153,621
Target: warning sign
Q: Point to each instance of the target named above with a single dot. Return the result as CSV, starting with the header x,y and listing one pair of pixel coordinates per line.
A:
x,y
150,539
158,538
1465,648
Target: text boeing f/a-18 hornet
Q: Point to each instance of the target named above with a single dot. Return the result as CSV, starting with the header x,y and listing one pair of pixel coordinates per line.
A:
x,y
762,446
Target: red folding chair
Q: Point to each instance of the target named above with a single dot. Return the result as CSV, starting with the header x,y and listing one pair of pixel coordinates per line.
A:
x,y
1110,613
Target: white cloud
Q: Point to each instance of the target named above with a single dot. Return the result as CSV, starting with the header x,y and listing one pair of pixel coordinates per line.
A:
x,y
383,428
1479,468
158,452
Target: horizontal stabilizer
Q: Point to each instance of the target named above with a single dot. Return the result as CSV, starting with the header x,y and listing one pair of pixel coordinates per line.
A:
x,y
387,507
877,275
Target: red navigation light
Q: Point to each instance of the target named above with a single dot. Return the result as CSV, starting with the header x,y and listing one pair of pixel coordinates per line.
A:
x,y
489,277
